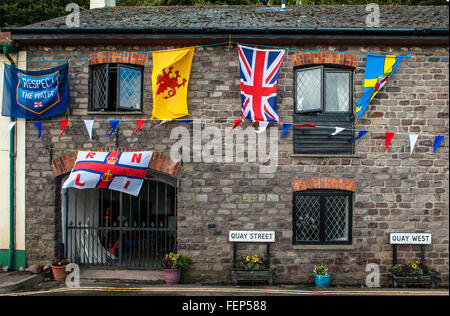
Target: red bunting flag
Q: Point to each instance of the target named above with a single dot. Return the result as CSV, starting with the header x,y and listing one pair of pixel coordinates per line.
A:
x,y
236,123
306,125
139,124
63,126
389,137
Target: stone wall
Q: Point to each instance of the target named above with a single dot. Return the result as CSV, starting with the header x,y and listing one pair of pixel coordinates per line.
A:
x,y
394,191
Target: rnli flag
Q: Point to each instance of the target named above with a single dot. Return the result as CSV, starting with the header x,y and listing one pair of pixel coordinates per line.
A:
x,y
379,69
170,79
120,171
259,74
35,94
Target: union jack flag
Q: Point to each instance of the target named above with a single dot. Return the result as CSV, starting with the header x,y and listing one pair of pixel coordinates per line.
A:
x,y
259,72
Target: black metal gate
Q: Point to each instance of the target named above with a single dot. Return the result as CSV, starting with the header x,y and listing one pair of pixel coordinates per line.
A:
x,y
110,228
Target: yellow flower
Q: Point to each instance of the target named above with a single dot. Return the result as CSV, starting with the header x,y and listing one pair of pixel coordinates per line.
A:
x,y
255,259
414,266
247,259
177,256
174,259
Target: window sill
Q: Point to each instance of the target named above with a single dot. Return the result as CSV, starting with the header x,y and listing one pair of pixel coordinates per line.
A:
x,y
115,113
325,156
324,247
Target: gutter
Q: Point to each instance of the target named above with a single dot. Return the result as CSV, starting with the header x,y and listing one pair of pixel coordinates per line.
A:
x,y
6,50
213,33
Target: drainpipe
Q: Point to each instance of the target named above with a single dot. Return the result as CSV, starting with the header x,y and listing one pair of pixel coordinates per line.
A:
x,y
12,155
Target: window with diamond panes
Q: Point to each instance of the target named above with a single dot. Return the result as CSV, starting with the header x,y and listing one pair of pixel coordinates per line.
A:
x,y
322,217
115,87
323,97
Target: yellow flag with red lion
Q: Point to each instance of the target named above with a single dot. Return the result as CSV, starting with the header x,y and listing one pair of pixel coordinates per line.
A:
x,y
170,78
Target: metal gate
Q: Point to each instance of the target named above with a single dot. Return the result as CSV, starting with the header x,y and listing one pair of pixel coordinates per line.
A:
x,y
109,228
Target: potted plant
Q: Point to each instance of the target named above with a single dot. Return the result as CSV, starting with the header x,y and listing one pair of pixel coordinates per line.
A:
x,y
414,272
58,266
321,276
252,268
173,264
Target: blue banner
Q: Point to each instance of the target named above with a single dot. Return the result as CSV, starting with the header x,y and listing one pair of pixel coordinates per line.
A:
x,y
35,94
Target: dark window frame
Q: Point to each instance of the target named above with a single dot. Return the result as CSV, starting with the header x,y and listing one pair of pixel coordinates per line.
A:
x,y
107,106
322,213
325,69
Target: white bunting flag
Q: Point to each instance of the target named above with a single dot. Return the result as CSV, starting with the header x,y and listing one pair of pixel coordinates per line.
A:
x,y
262,127
89,124
11,126
337,130
412,141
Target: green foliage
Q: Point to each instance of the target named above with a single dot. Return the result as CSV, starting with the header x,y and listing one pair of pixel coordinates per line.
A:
x,y
320,269
16,13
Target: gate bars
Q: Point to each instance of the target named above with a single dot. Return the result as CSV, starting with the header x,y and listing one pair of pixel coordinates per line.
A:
x,y
103,227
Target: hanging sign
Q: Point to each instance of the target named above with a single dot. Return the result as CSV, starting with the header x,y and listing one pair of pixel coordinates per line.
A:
x,y
410,238
35,94
251,236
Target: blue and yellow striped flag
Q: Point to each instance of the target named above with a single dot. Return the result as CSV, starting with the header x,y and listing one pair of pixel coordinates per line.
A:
x,y
379,69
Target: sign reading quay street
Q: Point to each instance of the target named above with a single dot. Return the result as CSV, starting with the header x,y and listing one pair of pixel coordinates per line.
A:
x,y
251,236
410,238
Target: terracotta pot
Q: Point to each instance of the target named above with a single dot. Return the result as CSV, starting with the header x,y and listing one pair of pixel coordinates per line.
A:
x,y
59,272
172,276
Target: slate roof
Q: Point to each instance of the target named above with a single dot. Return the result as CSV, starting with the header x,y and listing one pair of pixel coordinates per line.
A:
x,y
255,17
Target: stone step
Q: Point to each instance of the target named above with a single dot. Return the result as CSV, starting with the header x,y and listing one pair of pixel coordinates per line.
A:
x,y
91,274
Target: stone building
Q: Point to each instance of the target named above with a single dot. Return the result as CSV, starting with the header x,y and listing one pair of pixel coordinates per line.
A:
x,y
326,203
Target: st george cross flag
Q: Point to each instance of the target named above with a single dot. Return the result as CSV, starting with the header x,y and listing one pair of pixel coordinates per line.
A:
x,y
35,94
259,73
120,171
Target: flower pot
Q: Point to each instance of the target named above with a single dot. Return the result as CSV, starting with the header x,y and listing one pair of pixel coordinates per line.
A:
x,y
172,276
59,272
322,280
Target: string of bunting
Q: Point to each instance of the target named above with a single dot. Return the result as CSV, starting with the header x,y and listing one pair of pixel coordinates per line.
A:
x,y
334,130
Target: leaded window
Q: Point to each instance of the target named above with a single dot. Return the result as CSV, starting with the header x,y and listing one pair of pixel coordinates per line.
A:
x,y
322,217
115,87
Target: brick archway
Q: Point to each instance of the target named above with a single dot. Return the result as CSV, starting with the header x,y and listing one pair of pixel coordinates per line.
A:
x,y
159,162
324,183
325,58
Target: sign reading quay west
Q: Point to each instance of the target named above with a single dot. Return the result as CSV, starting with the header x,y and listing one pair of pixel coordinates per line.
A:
x,y
410,238
251,236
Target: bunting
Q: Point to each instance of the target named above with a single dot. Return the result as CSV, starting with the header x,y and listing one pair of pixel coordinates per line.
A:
x,y
63,124
113,124
89,124
389,137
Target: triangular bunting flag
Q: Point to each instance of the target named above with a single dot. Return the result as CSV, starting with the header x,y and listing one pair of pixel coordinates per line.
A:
x,y
286,127
114,124
138,124
437,141
337,130
89,124
306,125
236,123
63,126
412,142
11,126
262,127
360,134
39,127
389,137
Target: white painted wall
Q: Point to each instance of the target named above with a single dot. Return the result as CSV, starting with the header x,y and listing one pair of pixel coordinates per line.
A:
x,y
19,167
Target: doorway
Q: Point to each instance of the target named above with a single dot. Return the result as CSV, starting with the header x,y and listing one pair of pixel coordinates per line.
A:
x,y
102,227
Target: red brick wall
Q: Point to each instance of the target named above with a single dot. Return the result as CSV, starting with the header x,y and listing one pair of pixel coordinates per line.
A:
x,y
335,59
117,57
324,183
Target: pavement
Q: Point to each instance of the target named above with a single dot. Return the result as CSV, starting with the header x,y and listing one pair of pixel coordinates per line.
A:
x,y
28,284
